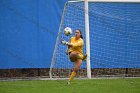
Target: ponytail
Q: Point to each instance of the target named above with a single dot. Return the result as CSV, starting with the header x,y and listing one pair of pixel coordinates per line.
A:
x,y
81,36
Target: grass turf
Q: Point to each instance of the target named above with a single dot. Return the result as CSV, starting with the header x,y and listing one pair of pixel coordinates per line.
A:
x,y
78,86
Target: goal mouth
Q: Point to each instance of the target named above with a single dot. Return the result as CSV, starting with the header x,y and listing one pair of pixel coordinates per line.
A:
x,y
114,39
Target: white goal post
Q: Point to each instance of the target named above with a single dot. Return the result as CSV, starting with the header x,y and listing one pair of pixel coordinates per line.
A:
x,y
87,39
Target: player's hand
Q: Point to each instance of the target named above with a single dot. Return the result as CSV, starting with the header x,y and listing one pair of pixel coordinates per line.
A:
x,y
64,42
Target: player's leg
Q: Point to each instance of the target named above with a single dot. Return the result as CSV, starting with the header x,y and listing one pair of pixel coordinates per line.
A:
x,y
73,56
77,65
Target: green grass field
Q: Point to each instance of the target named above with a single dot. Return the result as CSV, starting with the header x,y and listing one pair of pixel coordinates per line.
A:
x,y
131,85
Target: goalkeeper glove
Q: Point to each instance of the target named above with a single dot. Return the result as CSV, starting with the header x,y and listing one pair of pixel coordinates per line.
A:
x,y
65,43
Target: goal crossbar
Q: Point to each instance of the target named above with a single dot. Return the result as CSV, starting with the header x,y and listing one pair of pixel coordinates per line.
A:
x,y
126,1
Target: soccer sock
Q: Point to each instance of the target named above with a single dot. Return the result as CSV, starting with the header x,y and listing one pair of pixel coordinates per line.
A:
x,y
73,74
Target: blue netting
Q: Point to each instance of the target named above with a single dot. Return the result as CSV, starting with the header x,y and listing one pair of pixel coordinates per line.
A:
x,y
114,34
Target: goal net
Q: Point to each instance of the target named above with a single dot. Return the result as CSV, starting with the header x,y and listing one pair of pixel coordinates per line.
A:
x,y
114,39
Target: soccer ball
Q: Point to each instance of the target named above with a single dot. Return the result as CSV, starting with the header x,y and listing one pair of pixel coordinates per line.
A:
x,y
67,31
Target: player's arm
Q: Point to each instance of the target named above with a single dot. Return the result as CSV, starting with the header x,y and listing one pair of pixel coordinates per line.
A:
x,y
79,43
69,46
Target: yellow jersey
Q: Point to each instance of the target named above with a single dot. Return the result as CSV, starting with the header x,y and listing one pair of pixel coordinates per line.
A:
x,y
77,45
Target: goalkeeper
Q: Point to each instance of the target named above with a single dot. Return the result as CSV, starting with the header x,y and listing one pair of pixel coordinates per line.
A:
x,y
75,52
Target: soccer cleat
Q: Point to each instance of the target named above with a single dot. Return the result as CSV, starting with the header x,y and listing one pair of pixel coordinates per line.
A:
x,y
85,57
68,83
